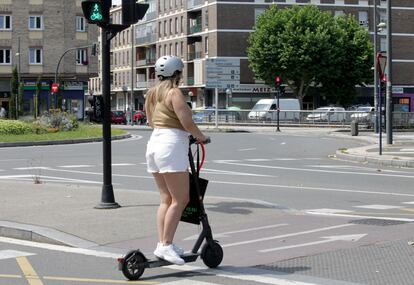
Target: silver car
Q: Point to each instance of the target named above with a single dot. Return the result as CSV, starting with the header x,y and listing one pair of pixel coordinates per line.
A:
x,y
327,114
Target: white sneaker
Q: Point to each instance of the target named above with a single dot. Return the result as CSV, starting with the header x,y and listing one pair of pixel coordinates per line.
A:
x,y
168,253
178,250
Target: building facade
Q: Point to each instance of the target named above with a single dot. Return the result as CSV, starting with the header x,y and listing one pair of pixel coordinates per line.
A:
x,y
198,30
34,35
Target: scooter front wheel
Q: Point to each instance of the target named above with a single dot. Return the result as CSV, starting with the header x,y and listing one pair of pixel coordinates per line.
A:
x,y
212,254
133,267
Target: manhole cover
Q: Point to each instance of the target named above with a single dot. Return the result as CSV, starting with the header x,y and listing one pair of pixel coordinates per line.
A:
x,y
378,222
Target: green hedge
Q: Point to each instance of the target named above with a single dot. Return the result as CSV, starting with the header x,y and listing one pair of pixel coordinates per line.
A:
x,y
13,127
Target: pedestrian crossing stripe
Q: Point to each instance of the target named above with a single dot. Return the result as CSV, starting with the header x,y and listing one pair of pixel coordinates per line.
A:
x,y
7,254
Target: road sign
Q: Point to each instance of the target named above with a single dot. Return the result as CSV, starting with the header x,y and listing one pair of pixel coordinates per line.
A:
x,y
55,87
222,73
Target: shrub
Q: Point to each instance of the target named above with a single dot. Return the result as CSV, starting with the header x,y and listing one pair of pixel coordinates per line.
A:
x,y
13,127
54,121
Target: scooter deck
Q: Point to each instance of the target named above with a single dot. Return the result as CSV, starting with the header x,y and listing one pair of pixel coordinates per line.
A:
x,y
188,257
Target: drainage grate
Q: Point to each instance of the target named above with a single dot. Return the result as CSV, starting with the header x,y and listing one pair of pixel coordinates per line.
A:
x,y
378,222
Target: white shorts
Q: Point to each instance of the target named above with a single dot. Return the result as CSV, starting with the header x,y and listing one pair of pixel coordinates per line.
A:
x,y
167,151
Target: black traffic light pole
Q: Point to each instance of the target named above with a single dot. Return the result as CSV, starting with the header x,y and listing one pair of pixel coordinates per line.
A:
x,y
107,198
278,108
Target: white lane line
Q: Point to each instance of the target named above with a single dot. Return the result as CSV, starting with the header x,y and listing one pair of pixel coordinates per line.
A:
x,y
189,282
225,172
408,149
247,149
76,166
123,164
261,276
7,254
378,207
42,178
257,159
359,216
228,234
30,168
287,235
61,248
409,203
330,211
313,170
349,238
312,188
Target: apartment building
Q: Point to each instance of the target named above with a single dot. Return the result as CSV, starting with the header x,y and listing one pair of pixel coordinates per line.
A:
x,y
34,35
198,30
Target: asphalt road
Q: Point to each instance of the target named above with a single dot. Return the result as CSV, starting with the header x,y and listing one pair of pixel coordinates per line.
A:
x,y
290,197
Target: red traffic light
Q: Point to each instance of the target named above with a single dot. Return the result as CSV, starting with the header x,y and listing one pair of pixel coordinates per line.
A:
x,y
55,87
278,80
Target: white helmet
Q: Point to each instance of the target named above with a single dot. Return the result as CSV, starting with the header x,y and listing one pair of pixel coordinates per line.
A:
x,y
167,65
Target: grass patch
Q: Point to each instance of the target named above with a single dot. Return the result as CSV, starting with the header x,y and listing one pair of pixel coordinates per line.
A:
x,y
343,150
84,131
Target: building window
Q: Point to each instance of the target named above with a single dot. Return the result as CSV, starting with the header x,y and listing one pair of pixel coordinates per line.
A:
x,y
182,50
176,25
35,56
363,18
176,50
159,29
165,28
171,49
5,56
206,19
5,22
81,56
171,27
35,22
182,24
80,24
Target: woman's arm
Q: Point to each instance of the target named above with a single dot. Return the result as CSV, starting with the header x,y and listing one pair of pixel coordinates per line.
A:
x,y
148,108
185,115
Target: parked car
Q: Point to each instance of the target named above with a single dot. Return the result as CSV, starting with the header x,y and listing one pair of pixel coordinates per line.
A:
x,y
265,109
209,115
118,117
139,117
364,114
327,114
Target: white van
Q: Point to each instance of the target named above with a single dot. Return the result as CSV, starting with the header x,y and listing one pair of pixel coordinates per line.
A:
x,y
265,109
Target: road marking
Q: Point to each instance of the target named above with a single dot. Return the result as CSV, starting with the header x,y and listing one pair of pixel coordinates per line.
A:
x,y
28,271
410,203
351,238
98,281
330,211
61,248
227,234
189,282
123,164
313,170
358,215
287,235
408,149
257,159
7,254
31,168
75,166
378,207
225,172
10,276
311,188
247,149
42,178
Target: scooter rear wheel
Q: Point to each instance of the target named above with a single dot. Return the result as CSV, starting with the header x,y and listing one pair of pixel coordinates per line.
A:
x,y
212,254
133,268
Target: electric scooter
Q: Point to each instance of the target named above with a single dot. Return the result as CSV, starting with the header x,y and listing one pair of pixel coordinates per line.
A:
x,y
134,262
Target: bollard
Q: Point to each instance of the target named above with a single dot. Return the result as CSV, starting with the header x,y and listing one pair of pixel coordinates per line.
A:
x,y
354,128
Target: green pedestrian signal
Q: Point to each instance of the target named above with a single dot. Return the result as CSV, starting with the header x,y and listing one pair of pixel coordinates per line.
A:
x,y
95,12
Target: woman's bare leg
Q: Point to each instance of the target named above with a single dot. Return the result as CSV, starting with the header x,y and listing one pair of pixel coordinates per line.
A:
x,y
165,202
178,186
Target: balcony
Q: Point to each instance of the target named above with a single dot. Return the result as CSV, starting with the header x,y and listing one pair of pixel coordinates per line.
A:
x,y
147,39
194,55
194,3
146,61
195,29
145,84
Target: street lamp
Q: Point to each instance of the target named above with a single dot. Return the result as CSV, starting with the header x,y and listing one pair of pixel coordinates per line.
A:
x,y
228,97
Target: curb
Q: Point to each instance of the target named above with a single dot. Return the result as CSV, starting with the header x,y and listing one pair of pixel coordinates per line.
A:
x,y
42,235
74,141
384,160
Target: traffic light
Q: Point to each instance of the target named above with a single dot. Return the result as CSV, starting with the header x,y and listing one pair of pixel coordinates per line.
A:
x,y
278,81
95,112
96,12
132,11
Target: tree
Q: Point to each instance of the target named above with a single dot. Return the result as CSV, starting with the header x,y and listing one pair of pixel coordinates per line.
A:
x,y
305,46
14,98
37,96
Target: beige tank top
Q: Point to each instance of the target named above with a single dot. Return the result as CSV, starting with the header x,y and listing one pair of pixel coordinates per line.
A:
x,y
163,117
